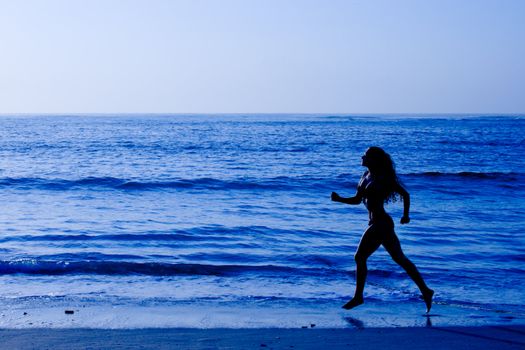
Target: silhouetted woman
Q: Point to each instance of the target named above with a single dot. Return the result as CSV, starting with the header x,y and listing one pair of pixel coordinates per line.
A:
x,y
379,185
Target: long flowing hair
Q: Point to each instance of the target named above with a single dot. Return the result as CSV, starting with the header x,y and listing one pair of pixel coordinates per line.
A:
x,y
383,166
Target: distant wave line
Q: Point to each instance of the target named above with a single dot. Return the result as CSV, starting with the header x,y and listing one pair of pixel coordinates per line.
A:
x,y
470,174
199,233
276,183
123,184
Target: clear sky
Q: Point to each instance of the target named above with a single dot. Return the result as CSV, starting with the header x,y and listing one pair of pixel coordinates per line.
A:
x,y
267,56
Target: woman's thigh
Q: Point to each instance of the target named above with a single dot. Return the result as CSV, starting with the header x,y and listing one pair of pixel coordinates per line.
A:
x,y
369,243
393,246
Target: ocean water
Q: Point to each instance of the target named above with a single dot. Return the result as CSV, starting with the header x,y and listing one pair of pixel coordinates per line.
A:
x,y
226,220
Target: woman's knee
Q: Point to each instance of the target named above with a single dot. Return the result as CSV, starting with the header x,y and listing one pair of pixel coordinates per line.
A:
x,y
360,258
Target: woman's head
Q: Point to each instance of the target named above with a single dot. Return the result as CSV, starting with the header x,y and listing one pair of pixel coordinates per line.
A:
x,y
376,159
381,165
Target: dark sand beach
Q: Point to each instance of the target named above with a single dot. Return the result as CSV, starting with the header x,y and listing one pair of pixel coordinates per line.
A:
x,y
495,337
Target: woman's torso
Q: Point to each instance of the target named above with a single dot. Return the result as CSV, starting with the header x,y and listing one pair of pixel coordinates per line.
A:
x,y
374,196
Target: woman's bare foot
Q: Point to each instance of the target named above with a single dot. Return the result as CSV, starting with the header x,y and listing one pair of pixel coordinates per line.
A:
x,y
356,301
427,297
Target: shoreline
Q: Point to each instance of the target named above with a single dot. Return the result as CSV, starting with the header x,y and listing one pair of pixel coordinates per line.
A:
x,y
501,337
255,314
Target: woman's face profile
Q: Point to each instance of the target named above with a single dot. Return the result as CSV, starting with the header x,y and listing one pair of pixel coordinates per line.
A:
x,y
366,159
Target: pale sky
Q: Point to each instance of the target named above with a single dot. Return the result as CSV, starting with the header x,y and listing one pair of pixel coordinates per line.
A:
x,y
262,56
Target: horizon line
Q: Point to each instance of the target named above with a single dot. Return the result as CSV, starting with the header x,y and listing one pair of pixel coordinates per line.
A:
x,y
265,113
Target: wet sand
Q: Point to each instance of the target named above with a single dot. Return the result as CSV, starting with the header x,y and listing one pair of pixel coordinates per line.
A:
x,y
483,338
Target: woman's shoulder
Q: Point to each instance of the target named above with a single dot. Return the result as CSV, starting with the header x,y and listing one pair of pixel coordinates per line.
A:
x,y
364,176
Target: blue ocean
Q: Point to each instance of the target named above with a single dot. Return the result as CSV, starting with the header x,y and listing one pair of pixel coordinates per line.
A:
x,y
226,220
